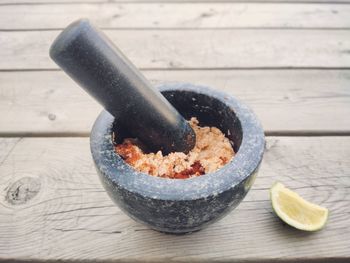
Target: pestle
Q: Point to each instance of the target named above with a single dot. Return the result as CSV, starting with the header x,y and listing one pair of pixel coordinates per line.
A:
x,y
91,59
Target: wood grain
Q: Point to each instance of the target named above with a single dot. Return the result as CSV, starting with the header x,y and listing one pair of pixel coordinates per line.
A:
x,y
52,205
6,146
71,217
183,49
285,100
177,15
34,2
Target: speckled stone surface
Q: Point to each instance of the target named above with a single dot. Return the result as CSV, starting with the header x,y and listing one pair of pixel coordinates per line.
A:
x,y
176,205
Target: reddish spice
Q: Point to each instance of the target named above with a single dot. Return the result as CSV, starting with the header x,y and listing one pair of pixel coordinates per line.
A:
x,y
196,170
211,152
223,159
128,152
149,167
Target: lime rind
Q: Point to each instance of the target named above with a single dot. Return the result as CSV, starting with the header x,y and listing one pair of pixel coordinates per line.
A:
x,y
279,189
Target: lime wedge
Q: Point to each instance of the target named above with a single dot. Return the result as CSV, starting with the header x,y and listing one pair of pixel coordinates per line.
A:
x,y
295,211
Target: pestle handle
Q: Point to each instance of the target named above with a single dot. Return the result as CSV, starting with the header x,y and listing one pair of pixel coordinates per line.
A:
x,y
98,66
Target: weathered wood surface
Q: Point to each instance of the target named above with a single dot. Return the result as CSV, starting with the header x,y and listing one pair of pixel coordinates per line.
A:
x,y
6,146
177,15
53,207
289,101
227,48
16,2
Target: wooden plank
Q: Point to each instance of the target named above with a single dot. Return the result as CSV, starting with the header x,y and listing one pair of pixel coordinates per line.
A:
x,y
6,146
66,215
33,2
284,100
177,15
195,48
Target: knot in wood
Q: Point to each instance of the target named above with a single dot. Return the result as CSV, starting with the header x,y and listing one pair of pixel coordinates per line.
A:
x,y
23,190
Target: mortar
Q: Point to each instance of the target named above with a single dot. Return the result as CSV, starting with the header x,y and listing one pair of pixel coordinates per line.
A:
x,y
183,205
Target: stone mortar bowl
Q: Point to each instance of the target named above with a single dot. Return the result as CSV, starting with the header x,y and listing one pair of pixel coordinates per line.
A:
x,y
183,205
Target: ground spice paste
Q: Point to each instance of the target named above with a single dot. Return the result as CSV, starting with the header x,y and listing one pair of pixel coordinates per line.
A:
x,y
212,151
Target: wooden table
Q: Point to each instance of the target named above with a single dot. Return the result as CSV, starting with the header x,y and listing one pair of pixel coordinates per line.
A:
x,y
290,60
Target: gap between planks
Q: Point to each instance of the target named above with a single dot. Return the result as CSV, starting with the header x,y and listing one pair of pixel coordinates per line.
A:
x,y
197,69
188,29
